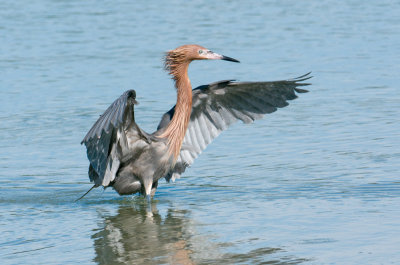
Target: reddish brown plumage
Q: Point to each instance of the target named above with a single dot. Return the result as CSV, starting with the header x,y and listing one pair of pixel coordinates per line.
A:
x,y
177,63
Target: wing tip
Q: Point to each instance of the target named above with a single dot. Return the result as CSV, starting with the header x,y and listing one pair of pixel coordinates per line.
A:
x,y
299,79
302,78
299,90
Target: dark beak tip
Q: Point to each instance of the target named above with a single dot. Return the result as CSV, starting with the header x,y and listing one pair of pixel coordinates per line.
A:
x,y
226,58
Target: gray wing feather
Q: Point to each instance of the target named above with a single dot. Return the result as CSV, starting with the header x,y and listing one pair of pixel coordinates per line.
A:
x,y
218,105
103,151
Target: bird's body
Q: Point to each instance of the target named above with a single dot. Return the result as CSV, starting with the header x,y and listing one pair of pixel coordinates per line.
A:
x,y
130,160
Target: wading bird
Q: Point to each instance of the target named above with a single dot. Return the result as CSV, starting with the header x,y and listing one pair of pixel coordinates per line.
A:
x,y
123,156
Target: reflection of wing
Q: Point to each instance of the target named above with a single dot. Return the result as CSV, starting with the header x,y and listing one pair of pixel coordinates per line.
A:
x,y
218,105
106,140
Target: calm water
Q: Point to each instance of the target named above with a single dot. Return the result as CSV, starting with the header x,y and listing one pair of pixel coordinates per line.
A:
x,y
315,183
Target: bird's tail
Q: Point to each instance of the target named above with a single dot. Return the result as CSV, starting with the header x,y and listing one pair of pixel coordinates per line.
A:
x,y
85,193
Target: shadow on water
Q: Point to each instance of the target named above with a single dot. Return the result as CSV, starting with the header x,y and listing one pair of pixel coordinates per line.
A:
x,y
139,234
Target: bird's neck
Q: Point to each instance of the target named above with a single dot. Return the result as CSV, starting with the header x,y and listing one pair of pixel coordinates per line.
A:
x,y
176,129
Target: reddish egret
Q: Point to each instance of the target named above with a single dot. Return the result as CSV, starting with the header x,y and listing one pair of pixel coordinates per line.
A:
x,y
123,156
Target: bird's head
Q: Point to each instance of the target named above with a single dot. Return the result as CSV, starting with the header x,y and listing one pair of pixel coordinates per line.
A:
x,y
187,53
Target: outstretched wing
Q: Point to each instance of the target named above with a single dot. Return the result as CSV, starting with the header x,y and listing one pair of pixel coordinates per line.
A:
x,y
106,140
218,105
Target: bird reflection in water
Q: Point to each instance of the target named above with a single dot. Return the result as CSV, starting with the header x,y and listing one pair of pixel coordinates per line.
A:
x,y
138,234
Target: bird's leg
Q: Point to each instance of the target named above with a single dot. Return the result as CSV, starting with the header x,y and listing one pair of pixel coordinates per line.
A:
x,y
149,208
151,195
154,188
148,199
147,183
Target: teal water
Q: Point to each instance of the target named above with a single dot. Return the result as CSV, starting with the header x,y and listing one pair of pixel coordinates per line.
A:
x,y
317,182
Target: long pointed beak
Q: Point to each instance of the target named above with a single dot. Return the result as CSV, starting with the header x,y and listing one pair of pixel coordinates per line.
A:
x,y
226,58
216,56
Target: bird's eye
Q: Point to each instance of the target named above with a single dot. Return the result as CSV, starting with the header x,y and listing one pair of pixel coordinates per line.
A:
x,y
200,51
